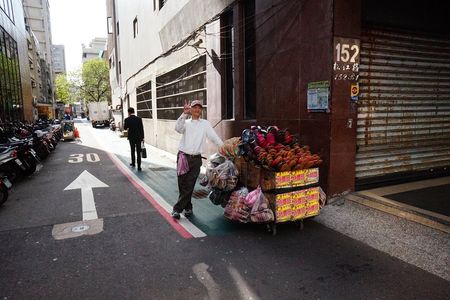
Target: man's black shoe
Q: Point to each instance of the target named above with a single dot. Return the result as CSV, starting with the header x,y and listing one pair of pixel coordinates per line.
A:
x,y
139,169
132,165
188,213
176,215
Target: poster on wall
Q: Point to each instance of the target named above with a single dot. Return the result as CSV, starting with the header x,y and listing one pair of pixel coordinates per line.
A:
x,y
318,96
346,59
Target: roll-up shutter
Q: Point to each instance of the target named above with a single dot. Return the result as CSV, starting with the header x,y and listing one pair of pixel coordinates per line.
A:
x,y
404,105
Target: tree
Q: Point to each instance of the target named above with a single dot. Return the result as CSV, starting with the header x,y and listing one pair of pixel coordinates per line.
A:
x,y
63,89
95,81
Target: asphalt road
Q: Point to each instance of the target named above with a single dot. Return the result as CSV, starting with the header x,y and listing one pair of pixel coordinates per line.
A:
x,y
139,255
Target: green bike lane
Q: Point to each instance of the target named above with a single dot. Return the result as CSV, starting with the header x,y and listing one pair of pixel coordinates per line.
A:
x,y
163,180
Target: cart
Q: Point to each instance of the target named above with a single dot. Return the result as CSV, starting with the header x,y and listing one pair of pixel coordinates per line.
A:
x,y
68,130
293,195
294,206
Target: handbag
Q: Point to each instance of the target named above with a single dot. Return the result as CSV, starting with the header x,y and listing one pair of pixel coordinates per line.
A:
x,y
143,150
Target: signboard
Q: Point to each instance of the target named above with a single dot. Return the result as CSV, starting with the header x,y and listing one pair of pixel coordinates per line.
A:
x,y
318,94
346,59
354,92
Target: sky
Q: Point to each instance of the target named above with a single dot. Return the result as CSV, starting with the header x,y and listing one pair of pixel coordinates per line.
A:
x,y
76,22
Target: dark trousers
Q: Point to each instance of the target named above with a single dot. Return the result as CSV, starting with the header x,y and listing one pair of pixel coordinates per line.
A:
x,y
135,148
186,183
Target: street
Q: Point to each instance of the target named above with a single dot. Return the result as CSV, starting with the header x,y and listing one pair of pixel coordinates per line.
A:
x,y
83,227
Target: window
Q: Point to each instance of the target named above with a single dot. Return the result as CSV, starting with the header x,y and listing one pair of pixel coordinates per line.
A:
x,y
229,63
249,56
144,100
186,83
6,6
135,27
109,24
154,5
120,67
161,3
10,83
117,27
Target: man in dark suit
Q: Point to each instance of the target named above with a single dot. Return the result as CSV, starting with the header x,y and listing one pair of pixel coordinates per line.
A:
x,y
135,136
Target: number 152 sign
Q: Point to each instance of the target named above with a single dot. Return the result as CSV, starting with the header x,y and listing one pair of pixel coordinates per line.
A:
x,y
346,59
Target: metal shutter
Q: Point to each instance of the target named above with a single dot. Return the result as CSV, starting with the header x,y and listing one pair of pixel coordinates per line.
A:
x,y
404,107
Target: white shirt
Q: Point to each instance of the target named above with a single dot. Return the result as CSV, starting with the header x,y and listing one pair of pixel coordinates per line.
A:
x,y
194,134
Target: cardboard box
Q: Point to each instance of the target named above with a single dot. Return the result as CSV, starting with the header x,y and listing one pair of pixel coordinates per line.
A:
x,y
304,177
251,176
299,212
312,208
279,180
295,205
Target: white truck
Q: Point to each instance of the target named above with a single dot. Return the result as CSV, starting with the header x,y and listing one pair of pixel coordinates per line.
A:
x,y
99,113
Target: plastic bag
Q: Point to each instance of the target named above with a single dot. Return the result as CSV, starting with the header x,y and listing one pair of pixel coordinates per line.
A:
x,y
219,197
223,177
253,196
230,147
261,212
236,209
182,164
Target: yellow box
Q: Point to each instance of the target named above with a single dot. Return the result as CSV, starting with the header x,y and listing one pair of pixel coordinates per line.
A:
x,y
299,212
284,215
299,197
283,199
312,208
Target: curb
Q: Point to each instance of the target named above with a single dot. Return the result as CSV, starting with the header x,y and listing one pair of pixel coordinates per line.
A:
x,y
430,219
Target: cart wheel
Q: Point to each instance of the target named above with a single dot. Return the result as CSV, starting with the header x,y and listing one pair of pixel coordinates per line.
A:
x,y
274,229
299,224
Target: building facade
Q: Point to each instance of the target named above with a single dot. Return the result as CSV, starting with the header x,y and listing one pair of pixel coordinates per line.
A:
x,y
15,81
361,82
95,49
34,56
59,59
37,13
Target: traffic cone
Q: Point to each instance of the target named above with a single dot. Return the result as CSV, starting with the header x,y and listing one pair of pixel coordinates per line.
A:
x,y
76,133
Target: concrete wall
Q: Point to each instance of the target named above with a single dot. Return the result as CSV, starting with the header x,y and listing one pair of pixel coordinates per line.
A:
x,y
158,30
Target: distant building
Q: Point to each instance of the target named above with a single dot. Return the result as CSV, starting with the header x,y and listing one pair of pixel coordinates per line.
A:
x,y
15,81
34,56
59,59
37,13
96,49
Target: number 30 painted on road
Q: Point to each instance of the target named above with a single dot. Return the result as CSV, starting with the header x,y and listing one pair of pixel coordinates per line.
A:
x,y
78,158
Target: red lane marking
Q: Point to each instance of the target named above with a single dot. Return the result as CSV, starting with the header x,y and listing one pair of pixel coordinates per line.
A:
x,y
180,229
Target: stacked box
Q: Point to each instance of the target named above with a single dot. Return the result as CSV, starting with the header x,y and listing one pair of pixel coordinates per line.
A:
x,y
299,204
289,206
312,206
283,207
289,179
253,176
295,205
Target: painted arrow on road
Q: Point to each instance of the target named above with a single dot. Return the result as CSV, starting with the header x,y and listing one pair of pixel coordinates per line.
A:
x,y
86,182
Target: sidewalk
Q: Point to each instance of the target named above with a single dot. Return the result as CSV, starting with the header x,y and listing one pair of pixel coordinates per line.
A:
x,y
422,246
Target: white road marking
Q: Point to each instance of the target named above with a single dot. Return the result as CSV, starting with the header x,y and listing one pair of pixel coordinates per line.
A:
x,y
86,182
